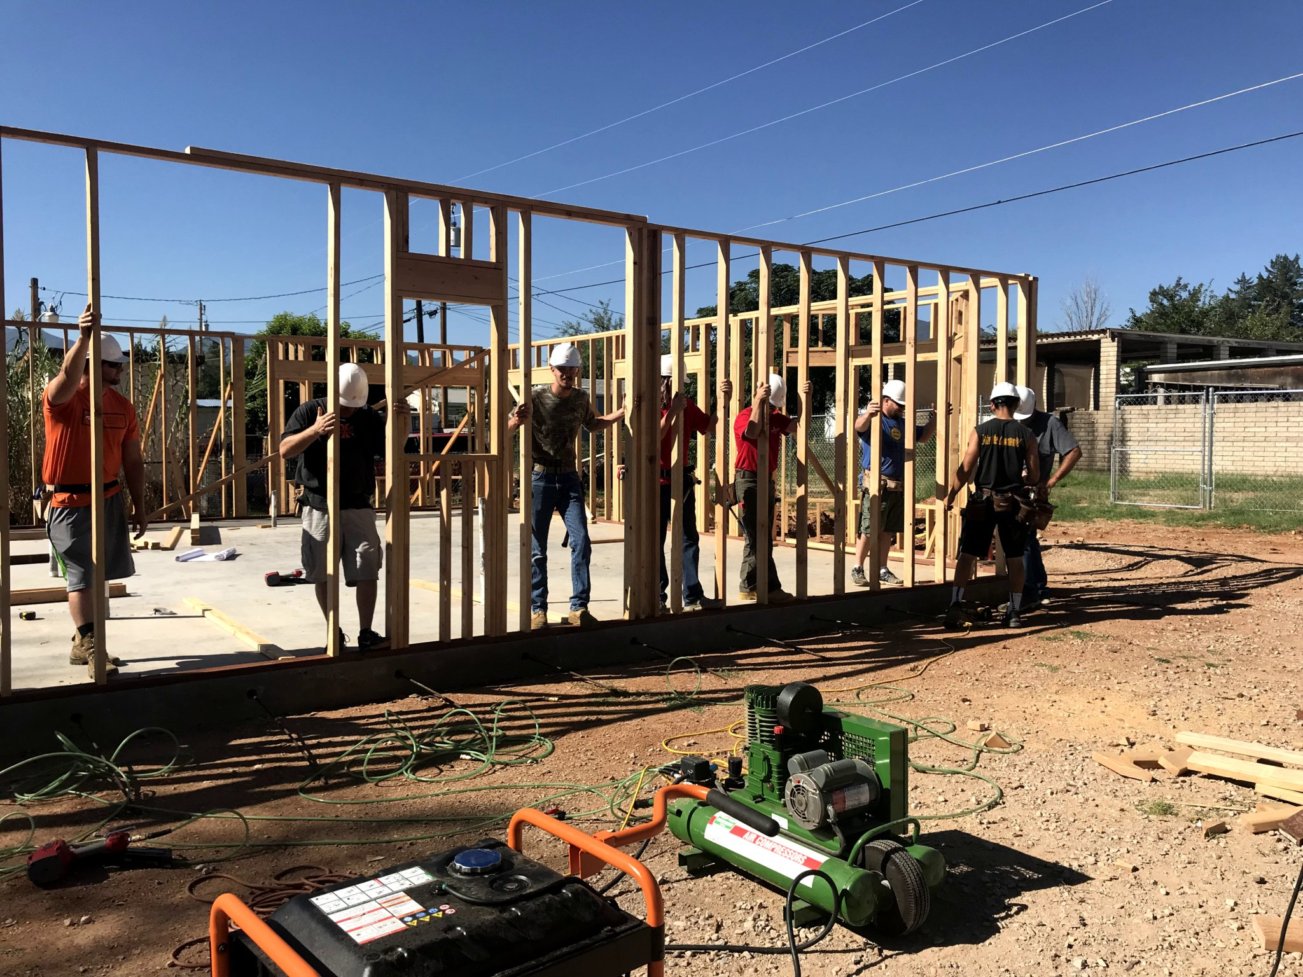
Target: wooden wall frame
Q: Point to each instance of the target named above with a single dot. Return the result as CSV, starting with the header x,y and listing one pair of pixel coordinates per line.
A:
x,y
624,367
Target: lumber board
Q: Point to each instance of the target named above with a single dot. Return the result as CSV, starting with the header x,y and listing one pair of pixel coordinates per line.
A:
x,y
173,537
1266,818
463,280
233,627
1204,741
26,535
1269,933
1175,762
1279,793
1232,769
194,529
1121,765
56,595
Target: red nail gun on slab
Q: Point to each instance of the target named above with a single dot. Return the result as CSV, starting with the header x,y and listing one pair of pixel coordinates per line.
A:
x,y
277,579
56,860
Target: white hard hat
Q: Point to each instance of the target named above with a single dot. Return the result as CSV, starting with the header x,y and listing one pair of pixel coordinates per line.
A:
x,y
414,401
1004,390
566,354
667,365
1026,405
111,350
777,391
894,390
353,385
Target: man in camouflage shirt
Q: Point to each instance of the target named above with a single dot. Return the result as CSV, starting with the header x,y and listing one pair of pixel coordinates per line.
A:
x,y
558,411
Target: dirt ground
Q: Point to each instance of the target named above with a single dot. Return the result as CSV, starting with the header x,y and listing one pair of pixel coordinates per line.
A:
x,y
1075,869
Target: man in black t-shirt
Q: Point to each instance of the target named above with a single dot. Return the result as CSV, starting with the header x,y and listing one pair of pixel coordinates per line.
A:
x,y
361,442
999,452
1052,438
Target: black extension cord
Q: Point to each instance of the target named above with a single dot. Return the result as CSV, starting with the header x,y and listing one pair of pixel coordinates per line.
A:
x,y
1284,923
793,948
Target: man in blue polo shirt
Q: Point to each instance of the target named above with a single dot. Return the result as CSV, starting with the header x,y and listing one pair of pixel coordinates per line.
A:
x,y
891,485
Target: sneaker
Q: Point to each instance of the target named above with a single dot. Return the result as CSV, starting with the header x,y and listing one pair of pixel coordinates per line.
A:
x,y
1012,619
581,618
958,619
368,640
664,607
746,594
538,620
780,596
858,578
887,577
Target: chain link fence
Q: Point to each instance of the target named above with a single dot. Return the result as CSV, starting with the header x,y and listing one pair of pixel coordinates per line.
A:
x,y
1224,450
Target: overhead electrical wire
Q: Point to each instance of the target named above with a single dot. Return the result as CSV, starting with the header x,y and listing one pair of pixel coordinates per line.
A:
x,y
982,206
822,105
683,98
1029,152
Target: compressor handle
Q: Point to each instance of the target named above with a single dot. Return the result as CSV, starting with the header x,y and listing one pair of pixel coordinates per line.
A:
x,y
749,816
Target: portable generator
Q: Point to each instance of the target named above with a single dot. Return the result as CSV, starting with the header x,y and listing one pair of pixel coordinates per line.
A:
x,y
824,790
483,910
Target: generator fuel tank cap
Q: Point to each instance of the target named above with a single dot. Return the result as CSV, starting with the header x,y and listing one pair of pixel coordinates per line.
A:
x,y
476,861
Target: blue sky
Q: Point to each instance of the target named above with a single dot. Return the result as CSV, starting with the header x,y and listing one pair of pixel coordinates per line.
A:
x,y
446,92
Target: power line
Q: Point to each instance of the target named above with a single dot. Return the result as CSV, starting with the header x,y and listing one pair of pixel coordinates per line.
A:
x,y
824,105
991,203
1030,152
684,98
243,298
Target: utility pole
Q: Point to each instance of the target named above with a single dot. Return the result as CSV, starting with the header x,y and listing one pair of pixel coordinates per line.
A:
x,y
33,323
420,322
36,301
443,341
201,315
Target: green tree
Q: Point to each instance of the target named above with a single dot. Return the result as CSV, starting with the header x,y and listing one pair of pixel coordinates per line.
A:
x,y
599,319
255,363
1181,307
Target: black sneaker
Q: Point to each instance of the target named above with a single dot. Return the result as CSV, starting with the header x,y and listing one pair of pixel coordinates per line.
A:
x,y
368,640
1012,619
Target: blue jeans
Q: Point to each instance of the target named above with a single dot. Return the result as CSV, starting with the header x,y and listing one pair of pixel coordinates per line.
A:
x,y
692,592
1035,583
561,492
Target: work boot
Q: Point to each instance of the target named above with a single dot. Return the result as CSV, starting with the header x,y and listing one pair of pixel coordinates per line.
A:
x,y
110,669
958,619
83,646
858,578
745,594
538,620
780,596
581,618
1012,619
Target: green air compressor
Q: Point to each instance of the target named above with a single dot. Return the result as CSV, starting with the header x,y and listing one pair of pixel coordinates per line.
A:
x,y
824,790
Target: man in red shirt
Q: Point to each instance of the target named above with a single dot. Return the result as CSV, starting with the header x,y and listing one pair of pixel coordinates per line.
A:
x,y
66,472
695,421
769,396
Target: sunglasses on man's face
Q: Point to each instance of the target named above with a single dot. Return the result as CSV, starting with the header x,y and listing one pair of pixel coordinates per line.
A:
x,y
111,365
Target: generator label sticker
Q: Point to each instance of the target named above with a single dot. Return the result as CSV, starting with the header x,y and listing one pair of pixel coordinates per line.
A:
x,y
367,922
782,855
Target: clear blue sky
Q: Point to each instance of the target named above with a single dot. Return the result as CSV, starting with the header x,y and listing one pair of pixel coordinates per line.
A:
x,y
443,91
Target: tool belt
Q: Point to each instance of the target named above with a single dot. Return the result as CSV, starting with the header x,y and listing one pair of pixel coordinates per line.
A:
x,y
885,484
1000,501
79,489
554,470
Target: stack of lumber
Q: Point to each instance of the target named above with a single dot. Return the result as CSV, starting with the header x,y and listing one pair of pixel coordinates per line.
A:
x,y
1274,772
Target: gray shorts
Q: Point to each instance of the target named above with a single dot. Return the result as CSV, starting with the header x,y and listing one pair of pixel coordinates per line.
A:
x,y
360,551
69,533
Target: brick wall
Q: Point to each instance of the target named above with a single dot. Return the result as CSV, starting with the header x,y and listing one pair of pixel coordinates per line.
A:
x,y
1254,438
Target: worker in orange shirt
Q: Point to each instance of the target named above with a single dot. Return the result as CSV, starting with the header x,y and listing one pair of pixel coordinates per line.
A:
x,y
66,471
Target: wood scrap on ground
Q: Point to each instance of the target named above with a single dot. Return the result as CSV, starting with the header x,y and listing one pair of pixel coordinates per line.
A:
x,y
1125,766
1269,933
56,594
1266,818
